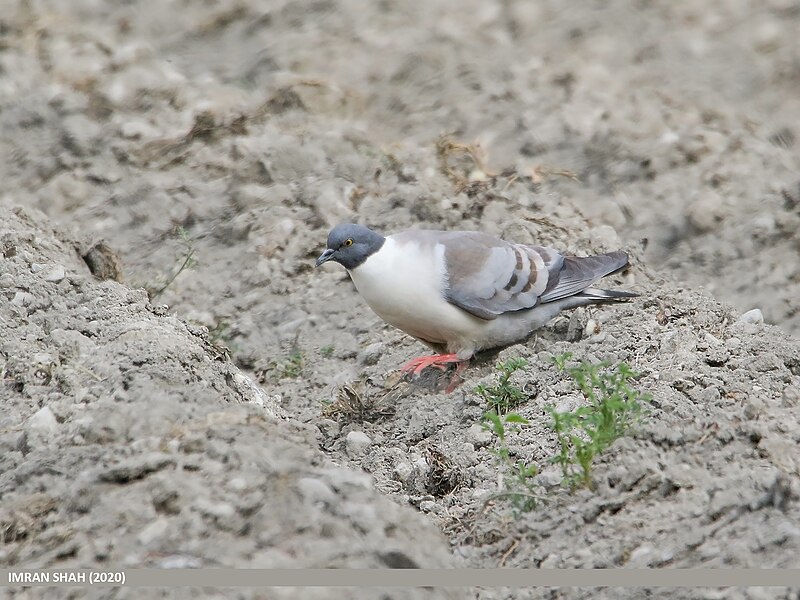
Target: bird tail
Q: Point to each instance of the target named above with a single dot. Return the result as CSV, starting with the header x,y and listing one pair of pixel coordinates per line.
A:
x,y
598,295
578,274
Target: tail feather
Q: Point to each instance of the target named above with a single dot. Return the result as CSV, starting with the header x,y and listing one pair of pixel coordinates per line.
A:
x,y
598,295
578,273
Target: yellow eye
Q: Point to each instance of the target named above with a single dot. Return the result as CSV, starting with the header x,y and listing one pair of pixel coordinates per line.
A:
x,y
348,242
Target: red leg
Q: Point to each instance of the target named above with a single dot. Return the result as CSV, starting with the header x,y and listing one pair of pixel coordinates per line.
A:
x,y
416,365
457,379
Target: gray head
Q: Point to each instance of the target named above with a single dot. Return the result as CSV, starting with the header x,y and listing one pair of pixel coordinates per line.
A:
x,y
350,245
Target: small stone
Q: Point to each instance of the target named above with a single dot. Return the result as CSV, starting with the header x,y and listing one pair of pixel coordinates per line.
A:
x,y
576,326
315,490
791,396
598,338
551,561
357,443
238,484
55,274
478,436
709,395
550,478
403,471
218,510
592,328
428,506
153,531
329,428
23,299
6,280
420,464
43,421
753,408
371,354
752,316
103,262
706,211
641,556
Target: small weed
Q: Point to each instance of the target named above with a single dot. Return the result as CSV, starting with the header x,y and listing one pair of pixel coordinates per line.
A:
x,y
585,432
356,403
185,261
516,477
503,396
327,351
291,367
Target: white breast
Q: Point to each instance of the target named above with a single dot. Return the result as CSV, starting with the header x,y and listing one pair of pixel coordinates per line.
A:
x,y
403,283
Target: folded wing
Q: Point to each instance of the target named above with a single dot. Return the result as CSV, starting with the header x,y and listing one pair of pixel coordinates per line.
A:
x,y
488,276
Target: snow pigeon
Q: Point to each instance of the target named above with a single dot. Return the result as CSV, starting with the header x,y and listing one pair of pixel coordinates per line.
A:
x,y
460,292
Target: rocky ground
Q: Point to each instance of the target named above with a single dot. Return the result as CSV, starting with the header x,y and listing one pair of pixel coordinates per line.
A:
x,y
182,388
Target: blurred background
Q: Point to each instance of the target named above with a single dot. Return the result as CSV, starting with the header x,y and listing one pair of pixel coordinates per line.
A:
x,y
248,128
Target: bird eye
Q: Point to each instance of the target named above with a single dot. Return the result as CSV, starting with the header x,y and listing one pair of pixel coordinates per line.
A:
x,y
348,242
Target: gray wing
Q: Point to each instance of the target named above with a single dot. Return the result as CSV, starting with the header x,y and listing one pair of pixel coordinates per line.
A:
x,y
488,276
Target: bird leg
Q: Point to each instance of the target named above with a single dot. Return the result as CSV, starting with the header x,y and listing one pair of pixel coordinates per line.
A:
x,y
457,379
416,365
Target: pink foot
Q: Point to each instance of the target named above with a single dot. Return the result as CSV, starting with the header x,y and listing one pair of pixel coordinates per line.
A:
x,y
457,379
439,361
416,365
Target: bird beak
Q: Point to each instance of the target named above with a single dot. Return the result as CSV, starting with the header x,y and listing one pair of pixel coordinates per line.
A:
x,y
325,256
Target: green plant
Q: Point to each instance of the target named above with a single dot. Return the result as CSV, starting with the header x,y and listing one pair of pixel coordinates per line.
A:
x,y
503,396
327,351
516,478
585,432
185,261
291,367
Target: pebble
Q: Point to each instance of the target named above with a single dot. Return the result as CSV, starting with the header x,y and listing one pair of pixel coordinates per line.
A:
x,y
357,443
429,506
478,436
706,210
641,556
403,471
791,396
733,343
709,395
220,510
238,484
371,354
23,299
592,328
43,421
752,316
329,428
315,490
753,408
550,478
6,280
153,531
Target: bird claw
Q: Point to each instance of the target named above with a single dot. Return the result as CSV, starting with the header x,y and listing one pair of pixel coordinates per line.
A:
x,y
440,361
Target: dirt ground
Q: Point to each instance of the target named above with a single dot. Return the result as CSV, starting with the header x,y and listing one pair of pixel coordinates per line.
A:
x,y
199,153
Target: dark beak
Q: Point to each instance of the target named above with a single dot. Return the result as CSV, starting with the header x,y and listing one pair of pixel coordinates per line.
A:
x,y
325,256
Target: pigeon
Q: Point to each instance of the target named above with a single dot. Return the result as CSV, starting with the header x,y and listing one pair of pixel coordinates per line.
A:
x,y
461,292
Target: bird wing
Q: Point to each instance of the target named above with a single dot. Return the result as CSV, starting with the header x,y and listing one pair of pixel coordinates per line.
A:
x,y
487,276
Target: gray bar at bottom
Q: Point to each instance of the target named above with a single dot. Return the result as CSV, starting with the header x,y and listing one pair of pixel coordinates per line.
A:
x,y
405,577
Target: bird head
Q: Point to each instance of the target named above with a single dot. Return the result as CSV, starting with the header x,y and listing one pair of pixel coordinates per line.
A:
x,y
350,245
